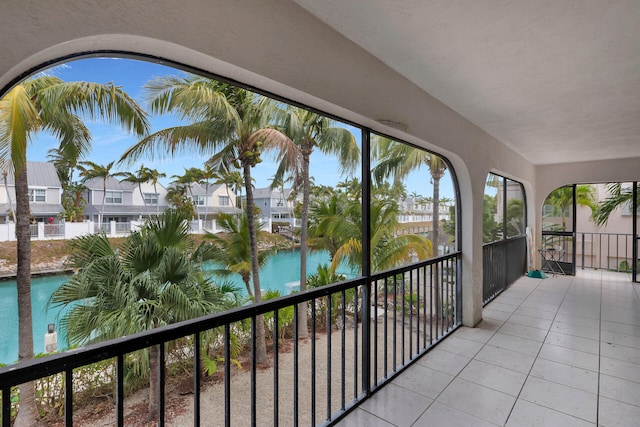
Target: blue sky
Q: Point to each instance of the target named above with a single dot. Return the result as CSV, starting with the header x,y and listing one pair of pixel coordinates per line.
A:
x,y
109,142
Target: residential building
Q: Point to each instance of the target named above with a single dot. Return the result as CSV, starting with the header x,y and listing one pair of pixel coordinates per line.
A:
x,y
212,199
45,193
122,200
275,204
420,209
542,93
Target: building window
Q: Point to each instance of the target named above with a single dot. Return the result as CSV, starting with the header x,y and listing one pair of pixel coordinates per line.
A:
x,y
37,195
198,200
114,197
151,198
224,201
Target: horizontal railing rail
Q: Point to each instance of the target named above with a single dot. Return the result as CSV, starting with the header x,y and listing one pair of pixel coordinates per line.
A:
x,y
363,332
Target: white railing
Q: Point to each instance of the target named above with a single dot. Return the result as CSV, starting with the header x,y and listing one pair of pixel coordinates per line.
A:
x,y
71,230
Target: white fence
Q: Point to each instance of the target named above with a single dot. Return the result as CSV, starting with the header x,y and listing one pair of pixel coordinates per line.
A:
x,y
70,230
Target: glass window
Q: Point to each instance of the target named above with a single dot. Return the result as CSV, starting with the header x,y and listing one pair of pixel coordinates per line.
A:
x,y
412,200
38,195
514,215
224,201
114,197
198,200
491,218
151,198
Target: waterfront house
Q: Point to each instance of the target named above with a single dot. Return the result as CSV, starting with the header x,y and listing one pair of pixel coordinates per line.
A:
x,y
123,202
212,199
44,193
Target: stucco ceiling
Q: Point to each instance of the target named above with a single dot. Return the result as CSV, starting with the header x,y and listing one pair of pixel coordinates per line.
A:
x,y
558,81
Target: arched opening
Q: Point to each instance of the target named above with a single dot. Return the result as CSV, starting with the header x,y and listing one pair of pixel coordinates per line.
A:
x,y
506,248
106,186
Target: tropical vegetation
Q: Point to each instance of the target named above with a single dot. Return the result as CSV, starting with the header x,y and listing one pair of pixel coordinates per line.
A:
x,y
48,104
154,279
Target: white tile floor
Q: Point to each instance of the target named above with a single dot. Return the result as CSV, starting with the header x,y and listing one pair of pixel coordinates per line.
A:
x,y
563,351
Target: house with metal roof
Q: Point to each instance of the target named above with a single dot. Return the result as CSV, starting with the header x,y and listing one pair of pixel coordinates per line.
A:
x,y
275,204
44,193
121,201
211,199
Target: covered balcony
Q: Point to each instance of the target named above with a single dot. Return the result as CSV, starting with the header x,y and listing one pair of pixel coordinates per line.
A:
x,y
544,94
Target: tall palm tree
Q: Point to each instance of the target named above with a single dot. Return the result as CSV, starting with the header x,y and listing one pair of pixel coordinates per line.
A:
x,y
309,131
48,104
90,170
399,160
229,123
154,280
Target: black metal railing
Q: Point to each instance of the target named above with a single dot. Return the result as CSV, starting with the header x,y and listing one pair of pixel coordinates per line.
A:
x,y
609,251
503,262
362,333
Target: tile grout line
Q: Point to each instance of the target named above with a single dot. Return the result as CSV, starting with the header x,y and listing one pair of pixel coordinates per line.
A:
x,y
538,353
599,355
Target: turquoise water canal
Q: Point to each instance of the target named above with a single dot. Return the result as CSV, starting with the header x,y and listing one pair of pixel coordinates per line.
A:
x,y
281,269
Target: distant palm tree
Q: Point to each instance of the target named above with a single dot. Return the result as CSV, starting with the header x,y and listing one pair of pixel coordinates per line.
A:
x,y
141,176
155,279
48,104
231,124
90,170
154,176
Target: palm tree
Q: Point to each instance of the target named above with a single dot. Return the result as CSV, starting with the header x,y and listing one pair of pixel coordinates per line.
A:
x,y
232,250
562,198
90,170
6,189
154,176
231,179
310,130
154,280
141,176
337,227
190,177
618,196
177,196
48,104
73,201
229,122
399,160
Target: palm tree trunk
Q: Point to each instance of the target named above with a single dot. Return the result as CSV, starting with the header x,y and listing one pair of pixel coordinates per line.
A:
x,y
27,414
261,346
104,199
6,189
154,381
303,329
155,190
